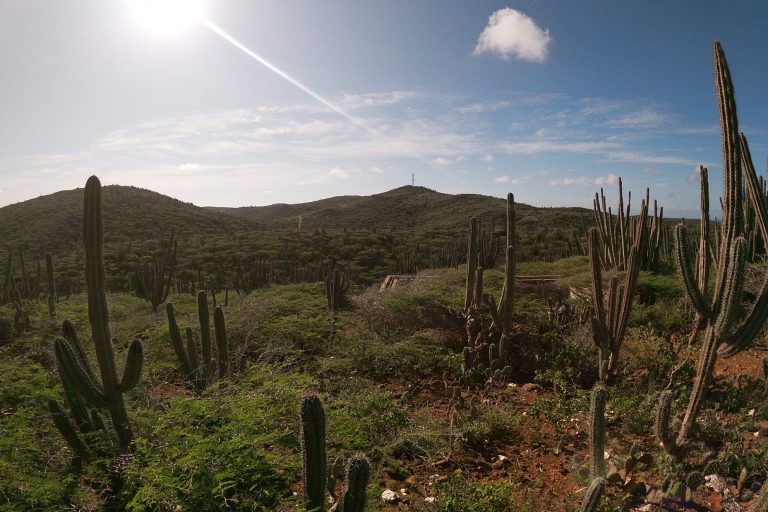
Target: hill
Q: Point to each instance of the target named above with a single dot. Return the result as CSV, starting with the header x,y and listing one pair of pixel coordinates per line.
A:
x,y
405,207
395,231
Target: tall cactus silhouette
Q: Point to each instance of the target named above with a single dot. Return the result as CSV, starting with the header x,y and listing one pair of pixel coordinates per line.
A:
x,y
106,392
716,307
610,317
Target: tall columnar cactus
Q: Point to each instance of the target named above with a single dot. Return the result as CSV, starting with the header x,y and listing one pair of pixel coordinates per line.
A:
x,y
9,284
152,281
358,474
312,416
220,331
108,392
704,255
597,431
200,371
336,286
481,353
618,233
315,469
595,490
610,317
51,289
717,307
469,293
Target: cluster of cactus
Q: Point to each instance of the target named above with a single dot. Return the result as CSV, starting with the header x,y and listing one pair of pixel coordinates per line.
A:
x,y
718,308
677,489
408,260
489,349
152,281
596,487
77,376
252,274
611,314
200,371
28,289
336,286
315,465
617,235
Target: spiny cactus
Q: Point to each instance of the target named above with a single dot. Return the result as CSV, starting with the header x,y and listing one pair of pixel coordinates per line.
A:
x,y
336,286
200,371
86,419
597,431
717,306
594,495
610,317
482,353
51,289
358,474
315,470
469,293
106,392
152,281
312,416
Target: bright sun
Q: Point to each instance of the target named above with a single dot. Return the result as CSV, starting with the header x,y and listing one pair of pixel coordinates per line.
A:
x,y
167,17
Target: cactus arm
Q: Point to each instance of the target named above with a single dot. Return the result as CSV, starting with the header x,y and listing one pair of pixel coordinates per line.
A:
x,y
83,381
754,189
176,341
750,329
221,341
733,289
133,365
67,430
683,263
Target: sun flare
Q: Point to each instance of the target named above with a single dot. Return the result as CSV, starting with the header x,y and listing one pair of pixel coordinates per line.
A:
x,y
167,17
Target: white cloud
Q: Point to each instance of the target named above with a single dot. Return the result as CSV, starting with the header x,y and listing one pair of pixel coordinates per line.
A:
x,y
502,179
375,169
487,157
651,171
375,99
609,179
442,161
513,34
338,172
489,106
190,167
643,118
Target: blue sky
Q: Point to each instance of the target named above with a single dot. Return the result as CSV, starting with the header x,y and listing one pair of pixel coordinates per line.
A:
x,y
546,99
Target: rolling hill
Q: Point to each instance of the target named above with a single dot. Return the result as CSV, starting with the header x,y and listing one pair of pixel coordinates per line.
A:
x,y
371,235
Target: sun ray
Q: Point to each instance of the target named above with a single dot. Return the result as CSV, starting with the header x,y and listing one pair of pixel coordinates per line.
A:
x,y
224,35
